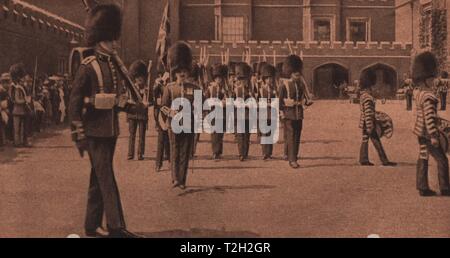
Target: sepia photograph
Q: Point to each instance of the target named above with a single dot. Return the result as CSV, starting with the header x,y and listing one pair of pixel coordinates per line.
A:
x,y
224,119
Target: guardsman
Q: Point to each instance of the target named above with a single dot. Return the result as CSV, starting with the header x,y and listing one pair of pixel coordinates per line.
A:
x,y
292,100
21,106
242,93
408,87
267,91
368,121
180,64
217,91
194,78
96,99
280,82
163,146
138,120
442,89
424,72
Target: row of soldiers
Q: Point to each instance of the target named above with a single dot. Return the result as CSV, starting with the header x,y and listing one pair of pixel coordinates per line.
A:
x,y
237,80
28,105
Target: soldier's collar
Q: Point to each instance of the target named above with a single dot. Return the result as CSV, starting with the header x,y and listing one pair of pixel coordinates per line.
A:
x,y
102,56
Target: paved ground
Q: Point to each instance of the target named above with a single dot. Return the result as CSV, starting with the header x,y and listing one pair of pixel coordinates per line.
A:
x,y
43,189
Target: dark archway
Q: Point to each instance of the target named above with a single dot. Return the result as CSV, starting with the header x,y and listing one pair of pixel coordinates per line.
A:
x,y
327,79
386,85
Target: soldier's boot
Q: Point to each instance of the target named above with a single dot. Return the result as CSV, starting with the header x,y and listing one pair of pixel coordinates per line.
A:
x,y
422,179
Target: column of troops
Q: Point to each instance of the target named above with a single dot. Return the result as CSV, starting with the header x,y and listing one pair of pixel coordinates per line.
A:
x,y
29,104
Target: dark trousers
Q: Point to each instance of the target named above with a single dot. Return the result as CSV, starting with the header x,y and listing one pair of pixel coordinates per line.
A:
x,y
267,149
195,142
28,125
134,125
443,96
364,151
20,137
422,165
217,143
293,130
409,102
103,195
2,134
180,153
163,147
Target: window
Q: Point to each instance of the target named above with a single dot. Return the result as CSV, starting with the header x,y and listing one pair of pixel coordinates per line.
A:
x,y
233,29
358,29
322,30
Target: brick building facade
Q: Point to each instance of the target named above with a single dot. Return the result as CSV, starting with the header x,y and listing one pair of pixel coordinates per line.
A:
x,y
29,32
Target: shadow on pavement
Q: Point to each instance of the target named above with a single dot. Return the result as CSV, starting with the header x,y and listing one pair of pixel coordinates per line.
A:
x,y
224,189
199,233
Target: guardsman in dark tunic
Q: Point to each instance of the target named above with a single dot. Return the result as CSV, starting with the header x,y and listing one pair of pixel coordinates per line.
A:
x,y
368,122
292,101
442,89
96,99
217,91
267,91
280,82
242,93
163,146
424,72
408,86
180,64
139,118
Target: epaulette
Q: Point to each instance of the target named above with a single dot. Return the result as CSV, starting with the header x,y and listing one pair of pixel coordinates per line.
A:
x,y
88,60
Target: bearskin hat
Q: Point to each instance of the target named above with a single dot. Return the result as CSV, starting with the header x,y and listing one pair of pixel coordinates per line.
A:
x,y
17,72
292,64
232,68
267,70
368,79
219,70
138,69
243,70
260,67
179,57
425,66
104,23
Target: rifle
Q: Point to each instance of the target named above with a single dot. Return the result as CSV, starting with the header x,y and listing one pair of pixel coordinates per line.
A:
x,y
134,91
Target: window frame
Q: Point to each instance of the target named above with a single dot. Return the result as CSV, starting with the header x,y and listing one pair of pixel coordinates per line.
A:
x,y
224,29
366,20
329,18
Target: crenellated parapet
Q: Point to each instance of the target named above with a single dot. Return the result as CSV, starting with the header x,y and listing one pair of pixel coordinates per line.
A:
x,y
277,49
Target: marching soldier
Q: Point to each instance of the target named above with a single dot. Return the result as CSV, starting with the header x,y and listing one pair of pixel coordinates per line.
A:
x,y
163,146
96,99
368,122
442,89
424,72
139,118
243,92
217,91
180,64
268,91
292,99
408,87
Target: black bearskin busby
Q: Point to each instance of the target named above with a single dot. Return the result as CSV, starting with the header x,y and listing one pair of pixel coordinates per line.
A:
x,y
17,72
219,70
368,79
138,69
425,66
267,70
243,71
104,23
292,64
179,57
261,65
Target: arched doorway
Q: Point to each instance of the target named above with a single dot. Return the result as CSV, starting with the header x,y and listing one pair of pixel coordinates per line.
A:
x,y
327,79
386,85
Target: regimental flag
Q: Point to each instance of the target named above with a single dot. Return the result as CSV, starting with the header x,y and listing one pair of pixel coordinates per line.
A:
x,y
163,44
